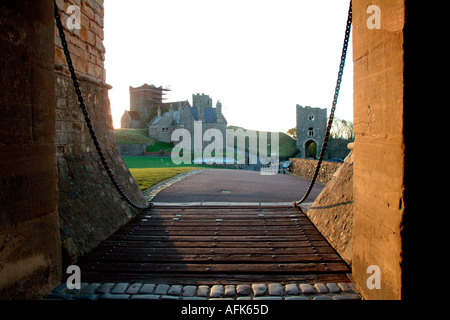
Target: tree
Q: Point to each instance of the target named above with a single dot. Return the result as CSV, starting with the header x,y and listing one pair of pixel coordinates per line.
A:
x,y
292,132
342,129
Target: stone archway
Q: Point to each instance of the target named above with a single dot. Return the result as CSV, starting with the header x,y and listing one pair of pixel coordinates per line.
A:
x,y
384,223
311,149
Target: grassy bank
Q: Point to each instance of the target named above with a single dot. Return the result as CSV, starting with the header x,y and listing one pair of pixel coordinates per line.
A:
x,y
287,145
147,171
132,136
147,177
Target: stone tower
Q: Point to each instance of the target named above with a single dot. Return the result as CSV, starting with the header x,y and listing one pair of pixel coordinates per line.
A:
x,y
145,97
311,128
201,100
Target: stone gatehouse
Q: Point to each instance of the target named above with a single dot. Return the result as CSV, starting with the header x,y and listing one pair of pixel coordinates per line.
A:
x,y
311,128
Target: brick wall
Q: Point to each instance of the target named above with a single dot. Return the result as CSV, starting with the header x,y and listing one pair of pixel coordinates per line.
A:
x,y
85,44
89,207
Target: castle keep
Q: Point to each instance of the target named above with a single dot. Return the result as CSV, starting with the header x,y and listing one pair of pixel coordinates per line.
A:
x,y
311,128
162,126
143,100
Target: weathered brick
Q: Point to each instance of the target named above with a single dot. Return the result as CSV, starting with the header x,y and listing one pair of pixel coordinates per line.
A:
x,y
244,289
161,289
134,288
259,289
276,289
307,288
189,291
345,287
120,288
175,290
333,287
321,288
292,289
217,291
230,291
203,291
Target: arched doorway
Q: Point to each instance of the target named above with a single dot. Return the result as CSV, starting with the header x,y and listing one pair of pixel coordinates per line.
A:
x,y
310,149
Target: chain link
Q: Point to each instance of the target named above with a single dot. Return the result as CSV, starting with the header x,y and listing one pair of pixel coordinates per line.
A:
x,y
333,107
86,114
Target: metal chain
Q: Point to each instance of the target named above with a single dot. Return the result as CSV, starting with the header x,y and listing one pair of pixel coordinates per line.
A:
x,y
333,108
86,114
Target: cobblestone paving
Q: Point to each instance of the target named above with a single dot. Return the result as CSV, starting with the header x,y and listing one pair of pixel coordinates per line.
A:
x,y
257,291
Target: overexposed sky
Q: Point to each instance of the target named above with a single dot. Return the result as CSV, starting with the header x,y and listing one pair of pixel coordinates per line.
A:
x,y
259,58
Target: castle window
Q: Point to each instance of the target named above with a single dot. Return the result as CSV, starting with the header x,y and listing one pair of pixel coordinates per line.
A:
x,y
310,132
311,118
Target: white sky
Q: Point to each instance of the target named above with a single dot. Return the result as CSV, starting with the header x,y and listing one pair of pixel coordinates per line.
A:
x,y
259,58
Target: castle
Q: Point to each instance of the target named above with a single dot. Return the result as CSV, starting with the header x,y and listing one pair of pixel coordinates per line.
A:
x,y
162,126
147,110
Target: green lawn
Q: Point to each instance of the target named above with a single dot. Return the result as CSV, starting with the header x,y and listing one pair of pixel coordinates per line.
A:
x,y
148,171
154,162
147,177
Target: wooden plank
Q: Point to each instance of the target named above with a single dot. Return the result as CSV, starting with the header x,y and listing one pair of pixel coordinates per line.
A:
x,y
217,238
217,250
235,268
198,258
212,244
219,232
243,227
208,245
